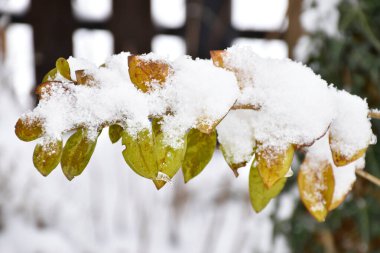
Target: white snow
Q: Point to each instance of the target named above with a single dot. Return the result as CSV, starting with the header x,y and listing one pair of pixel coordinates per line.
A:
x,y
236,135
196,92
351,130
296,105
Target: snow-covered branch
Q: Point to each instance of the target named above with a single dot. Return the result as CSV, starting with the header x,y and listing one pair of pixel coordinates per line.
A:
x,y
169,114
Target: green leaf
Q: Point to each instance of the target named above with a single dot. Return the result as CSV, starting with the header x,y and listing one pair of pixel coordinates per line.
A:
x,y
63,68
115,131
50,75
199,151
28,129
47,156
259,194
169,160
77,153
139,153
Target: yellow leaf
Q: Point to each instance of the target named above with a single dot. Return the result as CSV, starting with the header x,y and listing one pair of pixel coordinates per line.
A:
x,y
28,129
144,72
260,195
50,75
316,186
273,163
47,156
63,68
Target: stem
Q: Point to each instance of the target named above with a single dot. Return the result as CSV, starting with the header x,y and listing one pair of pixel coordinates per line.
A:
x,y
374,114
368,176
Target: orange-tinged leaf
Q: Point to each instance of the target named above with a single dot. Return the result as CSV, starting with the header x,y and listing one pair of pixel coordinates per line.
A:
x,y
217,57
273,163
83,78
28,129
341,159
145,72
45,89
316,186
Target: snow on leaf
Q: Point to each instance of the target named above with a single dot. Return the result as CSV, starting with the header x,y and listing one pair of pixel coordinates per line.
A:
x,y
273,163
46,156
146,72
236,138
28,129
169,159
344,176
350,132
199,151
50,75
316,187
294,104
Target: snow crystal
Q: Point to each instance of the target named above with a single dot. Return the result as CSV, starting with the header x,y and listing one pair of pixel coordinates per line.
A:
x,y
296,105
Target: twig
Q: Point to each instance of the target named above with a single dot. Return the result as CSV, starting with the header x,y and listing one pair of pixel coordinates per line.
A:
x,y
374,114
245,107
368,176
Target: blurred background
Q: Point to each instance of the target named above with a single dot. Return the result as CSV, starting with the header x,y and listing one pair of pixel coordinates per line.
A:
x,y
109,208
